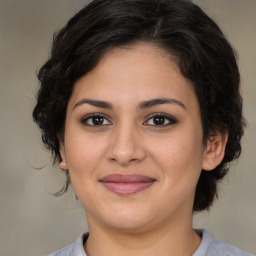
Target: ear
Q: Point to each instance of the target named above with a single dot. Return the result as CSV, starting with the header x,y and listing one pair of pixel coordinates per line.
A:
x,y
63,165
215,151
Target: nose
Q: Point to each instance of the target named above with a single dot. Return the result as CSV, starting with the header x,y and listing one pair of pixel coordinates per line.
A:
x,y
126,146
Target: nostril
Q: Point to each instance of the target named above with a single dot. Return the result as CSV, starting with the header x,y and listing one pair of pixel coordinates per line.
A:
x,y
123,159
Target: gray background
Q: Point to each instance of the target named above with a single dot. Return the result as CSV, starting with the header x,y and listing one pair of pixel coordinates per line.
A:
x,y
33,222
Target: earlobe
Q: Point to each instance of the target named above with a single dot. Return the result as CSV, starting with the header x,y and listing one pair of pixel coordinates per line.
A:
x,y
63,165
215,151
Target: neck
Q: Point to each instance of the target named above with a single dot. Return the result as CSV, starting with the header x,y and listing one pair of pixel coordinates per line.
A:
x,y
178,239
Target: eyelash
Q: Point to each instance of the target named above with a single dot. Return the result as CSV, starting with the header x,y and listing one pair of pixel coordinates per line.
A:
x,y
94,115
170,120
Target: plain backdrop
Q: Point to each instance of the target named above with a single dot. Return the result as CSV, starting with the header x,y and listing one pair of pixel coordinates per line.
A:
x,y
32,221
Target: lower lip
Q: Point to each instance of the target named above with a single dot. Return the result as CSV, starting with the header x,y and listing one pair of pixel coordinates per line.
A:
x,y
127,188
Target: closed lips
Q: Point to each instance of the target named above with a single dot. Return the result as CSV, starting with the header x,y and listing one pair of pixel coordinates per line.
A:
x,y
127,184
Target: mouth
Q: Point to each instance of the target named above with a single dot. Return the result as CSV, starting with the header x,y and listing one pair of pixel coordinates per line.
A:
x,y
127,184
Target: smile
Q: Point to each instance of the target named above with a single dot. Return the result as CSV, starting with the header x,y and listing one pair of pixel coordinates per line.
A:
x,y
127,184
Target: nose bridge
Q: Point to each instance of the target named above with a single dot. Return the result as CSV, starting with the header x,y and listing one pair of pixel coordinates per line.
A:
x,y
126,144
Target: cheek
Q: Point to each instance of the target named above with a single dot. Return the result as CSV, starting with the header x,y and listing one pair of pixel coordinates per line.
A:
x,y
83,158
83,154
179,156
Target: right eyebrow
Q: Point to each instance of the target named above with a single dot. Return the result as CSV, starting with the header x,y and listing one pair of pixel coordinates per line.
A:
x,y
96,103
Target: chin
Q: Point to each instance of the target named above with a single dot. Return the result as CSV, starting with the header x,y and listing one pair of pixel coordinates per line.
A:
x,y
129,220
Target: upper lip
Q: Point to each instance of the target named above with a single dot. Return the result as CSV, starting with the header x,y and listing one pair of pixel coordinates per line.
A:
x,y
126,178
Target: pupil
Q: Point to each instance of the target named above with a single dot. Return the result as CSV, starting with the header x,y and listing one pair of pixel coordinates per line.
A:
x,y
97,120
159,120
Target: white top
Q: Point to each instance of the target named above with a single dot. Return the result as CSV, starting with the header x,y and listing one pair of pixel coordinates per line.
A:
x,y
208,247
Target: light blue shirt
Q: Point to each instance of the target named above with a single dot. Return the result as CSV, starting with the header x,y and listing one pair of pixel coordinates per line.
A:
x,y
208,247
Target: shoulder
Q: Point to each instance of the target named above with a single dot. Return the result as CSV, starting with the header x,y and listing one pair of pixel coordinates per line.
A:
x,y
66,251
211,247
217,247
75,249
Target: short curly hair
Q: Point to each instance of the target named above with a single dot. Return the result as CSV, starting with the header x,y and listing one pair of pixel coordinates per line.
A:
x,y
180,28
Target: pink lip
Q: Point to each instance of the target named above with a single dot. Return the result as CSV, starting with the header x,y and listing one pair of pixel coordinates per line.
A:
x,y
127,184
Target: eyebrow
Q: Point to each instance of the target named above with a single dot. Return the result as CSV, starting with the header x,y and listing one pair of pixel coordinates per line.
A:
x,y
143,105
159,101
96,103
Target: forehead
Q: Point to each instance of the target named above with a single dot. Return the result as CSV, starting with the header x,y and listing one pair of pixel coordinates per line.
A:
x,y
135,72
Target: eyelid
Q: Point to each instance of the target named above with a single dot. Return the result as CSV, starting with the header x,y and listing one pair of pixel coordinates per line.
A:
x,y
87,117
172,120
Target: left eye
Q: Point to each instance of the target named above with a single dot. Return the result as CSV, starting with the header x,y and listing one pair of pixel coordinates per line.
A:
x,y
95,120
160,120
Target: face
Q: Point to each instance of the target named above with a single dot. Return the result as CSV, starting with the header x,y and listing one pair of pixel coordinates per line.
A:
x,y
133,140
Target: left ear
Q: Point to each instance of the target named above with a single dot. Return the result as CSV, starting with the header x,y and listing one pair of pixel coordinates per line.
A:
x,y
215,151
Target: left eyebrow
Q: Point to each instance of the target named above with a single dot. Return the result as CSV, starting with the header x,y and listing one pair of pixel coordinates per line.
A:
x,y
159,101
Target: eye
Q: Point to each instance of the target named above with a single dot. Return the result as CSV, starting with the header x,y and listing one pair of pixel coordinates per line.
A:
x,y
95,120
160,120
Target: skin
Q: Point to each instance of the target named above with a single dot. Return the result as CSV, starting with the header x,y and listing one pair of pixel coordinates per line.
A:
x,y
157,220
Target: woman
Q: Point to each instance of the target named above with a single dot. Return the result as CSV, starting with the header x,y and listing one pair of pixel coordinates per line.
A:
x,y
139,103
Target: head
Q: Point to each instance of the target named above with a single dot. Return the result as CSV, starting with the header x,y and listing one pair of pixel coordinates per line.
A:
x,y
176,27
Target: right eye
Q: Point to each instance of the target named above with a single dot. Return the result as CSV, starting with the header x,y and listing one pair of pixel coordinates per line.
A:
x,y
95,120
